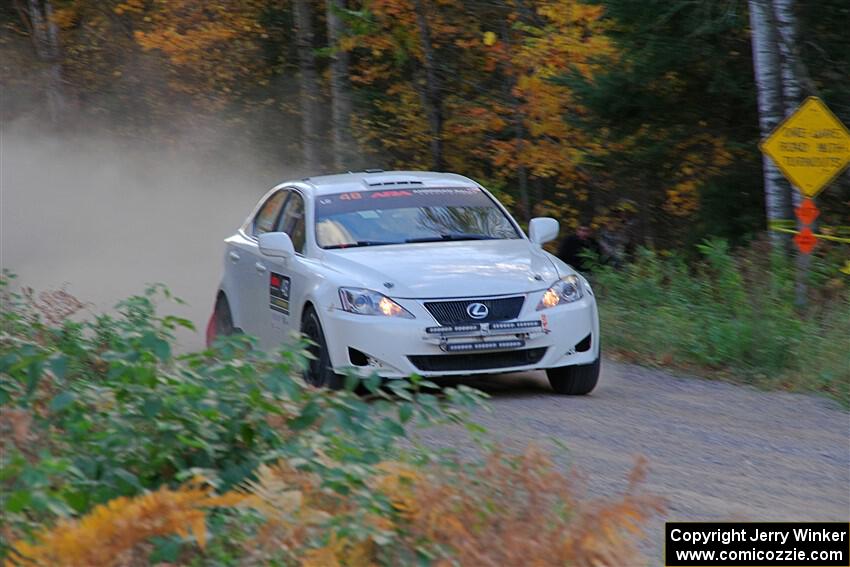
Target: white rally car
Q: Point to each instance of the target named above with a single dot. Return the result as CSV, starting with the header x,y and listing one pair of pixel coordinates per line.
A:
x,y
404,272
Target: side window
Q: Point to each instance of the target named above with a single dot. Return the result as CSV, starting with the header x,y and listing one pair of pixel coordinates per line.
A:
x,y
292,221
266,217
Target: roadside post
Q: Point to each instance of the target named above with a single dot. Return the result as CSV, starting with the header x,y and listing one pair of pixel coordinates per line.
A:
x,y
811,147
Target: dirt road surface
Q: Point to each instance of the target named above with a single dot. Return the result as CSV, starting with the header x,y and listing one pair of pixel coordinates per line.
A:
x,y
716,451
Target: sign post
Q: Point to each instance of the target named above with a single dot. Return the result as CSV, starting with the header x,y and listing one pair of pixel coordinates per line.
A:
x,y
811,147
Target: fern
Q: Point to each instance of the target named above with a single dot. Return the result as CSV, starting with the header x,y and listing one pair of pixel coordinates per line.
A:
x,y
101,537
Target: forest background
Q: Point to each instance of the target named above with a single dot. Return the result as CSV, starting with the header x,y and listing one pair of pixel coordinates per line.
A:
x,y
603,112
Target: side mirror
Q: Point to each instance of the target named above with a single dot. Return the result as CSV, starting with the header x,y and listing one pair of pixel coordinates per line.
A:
x,y
277,244
543,229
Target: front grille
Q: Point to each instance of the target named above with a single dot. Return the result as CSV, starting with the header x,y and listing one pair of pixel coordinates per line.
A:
x,y
454,312
483,361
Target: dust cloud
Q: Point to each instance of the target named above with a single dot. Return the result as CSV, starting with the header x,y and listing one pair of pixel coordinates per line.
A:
x,y
103,218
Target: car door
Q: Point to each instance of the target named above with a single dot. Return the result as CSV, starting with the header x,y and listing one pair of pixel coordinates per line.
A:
x,y
288,277
253,272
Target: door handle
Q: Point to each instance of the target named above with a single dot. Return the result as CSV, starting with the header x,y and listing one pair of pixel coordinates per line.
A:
x,y
234,257
261,269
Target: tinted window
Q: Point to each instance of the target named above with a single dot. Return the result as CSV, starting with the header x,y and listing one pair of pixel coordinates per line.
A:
x,y
292,221
266,217
374,218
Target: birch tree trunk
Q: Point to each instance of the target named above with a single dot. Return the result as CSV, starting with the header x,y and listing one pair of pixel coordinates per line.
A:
x,y
518,125
45,38
309,85
430,94
768,76
792,95
341,107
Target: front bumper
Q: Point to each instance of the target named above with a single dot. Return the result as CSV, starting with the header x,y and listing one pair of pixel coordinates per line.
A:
x,y
396,347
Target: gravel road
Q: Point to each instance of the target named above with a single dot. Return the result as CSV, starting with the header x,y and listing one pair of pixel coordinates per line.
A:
x,y
716,451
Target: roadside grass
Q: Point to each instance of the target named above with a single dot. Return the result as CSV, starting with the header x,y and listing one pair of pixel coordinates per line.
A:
x,y
116,451
729,316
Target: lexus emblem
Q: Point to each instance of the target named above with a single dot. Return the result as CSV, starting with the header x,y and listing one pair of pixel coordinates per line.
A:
x,y
477,310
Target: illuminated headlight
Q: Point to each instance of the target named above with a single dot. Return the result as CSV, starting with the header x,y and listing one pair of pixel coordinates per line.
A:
x,y
368,302
565,290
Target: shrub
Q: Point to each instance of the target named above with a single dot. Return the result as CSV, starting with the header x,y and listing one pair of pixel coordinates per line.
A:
x,y
102,408
729,313
107,428
504,511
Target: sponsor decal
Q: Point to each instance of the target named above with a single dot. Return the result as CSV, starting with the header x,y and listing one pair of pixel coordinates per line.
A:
x,y
389,194
401,197
279,287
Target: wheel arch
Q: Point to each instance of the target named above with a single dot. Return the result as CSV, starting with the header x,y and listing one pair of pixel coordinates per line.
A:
x,y
308,305
225,291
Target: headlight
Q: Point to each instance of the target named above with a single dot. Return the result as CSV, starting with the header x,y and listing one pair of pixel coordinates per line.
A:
x,y
565,290
368,302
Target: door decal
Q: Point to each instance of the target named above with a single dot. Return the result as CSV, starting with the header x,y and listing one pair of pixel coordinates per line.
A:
x,y
279,292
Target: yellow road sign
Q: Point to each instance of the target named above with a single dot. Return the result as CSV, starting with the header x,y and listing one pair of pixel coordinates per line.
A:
x,y
811,147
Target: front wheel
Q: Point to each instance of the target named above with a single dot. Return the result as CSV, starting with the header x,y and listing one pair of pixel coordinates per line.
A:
x,y
319,371
575,380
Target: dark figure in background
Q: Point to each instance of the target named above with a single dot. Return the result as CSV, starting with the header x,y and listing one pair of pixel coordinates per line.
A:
x,y
573,246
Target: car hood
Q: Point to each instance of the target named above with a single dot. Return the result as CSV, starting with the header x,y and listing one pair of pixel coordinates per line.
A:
x,y
446,269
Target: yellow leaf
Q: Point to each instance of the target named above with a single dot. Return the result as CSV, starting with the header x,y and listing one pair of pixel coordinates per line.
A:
x,y
199,530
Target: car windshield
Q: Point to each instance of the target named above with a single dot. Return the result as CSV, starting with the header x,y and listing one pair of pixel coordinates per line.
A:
x,y
376,218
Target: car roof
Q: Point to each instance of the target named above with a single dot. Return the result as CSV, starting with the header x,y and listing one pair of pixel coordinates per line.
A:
x,y
371,180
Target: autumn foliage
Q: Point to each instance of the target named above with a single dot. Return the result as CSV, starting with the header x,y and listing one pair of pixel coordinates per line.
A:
x,y
506,511
111,530
578,109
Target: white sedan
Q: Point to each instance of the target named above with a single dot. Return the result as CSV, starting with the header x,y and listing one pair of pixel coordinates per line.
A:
x,y
401,273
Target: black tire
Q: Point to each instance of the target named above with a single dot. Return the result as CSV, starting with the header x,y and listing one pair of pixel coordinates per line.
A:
x,y
575,380
319,372
223,318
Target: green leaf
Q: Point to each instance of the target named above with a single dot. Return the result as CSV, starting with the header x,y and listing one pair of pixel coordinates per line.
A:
x,y
77,500
18,501
165,550
393,427
33,376
59,366
195,443
405,412
351,382
162,350
372,383
127,477
401,389
307,417
151,407
62,401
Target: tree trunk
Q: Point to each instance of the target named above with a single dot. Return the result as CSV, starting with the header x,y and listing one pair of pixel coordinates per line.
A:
x,y
518,125
431,94
45,38
768,76
341,107
309,85
792,95
522,172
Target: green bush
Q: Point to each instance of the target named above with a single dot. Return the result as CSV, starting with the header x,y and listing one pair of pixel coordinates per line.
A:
x,y
96,409
729,313
112,448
